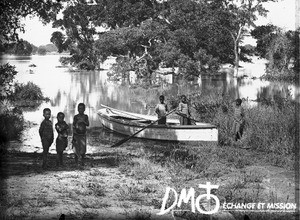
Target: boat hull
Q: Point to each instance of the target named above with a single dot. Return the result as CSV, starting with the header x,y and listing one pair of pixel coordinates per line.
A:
x,y
170,132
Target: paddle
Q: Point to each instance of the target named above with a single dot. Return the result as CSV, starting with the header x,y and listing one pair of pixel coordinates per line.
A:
x,y
123,112
131,136
183,115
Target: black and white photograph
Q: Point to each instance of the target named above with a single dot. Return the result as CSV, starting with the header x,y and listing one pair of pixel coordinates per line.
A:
x,y
149,109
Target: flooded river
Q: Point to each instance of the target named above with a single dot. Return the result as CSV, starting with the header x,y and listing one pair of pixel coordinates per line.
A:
x,y
66,89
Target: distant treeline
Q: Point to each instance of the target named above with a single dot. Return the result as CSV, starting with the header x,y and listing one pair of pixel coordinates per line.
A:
x,y
25,48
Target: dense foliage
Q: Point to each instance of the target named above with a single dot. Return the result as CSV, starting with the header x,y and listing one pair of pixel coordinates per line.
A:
x,y
12,11
7,74
280,48
195,36
24,48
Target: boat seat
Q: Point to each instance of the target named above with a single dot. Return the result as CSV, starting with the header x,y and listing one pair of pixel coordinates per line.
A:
x,y
142,121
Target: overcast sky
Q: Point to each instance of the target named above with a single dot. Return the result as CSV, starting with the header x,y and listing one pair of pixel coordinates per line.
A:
x,y
281,13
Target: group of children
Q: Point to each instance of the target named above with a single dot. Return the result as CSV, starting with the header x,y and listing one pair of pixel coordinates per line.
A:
x,y
183,111
80,122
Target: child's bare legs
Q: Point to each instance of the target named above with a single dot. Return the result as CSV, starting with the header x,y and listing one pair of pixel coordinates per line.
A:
x,y
82,159
79,146
46,145
76,159
79,159
45,155
59,159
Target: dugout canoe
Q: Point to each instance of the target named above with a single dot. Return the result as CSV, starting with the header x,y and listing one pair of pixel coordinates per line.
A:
x,y
127,123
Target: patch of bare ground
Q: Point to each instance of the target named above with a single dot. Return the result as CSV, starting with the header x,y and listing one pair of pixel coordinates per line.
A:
x,y
130,182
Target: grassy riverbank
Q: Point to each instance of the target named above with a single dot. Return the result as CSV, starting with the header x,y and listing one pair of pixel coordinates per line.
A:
x,y
129,182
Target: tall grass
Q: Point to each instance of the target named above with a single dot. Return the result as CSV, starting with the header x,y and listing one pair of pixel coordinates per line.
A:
x,y
270,126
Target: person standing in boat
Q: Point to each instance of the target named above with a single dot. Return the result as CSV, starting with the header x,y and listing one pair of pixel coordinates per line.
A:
x,y
80,122
161,110
184,111
238,120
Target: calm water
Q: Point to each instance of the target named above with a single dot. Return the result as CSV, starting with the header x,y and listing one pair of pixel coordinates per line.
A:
x,y
66,89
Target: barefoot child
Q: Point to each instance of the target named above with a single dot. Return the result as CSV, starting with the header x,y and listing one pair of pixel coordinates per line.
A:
x,y
161,110
80,122
46,134
238,120
62,138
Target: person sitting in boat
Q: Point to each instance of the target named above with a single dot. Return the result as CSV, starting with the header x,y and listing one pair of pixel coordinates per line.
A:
x,y
161,110
184,111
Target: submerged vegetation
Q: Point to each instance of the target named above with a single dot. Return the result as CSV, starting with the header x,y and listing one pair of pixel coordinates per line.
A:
x,y
194,36
27,95
13,98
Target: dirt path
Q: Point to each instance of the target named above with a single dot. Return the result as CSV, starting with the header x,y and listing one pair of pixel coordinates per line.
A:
x,y
127,183
99,189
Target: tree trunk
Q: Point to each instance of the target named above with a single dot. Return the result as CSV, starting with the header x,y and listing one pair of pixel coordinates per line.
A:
x,y
237,50
237,58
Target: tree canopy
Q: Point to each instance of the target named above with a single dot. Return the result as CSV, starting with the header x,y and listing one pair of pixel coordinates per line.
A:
x,y
279,47
12,11
195,36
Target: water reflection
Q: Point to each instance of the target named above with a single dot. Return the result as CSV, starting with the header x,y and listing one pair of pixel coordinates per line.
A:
x,y
66,89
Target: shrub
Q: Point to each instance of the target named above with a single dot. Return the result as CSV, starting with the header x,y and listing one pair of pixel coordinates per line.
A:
x,y
64,60
29,91
11,122
27,95
7,74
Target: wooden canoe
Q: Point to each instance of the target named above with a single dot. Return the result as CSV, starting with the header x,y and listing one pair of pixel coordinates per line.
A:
x,y
128,123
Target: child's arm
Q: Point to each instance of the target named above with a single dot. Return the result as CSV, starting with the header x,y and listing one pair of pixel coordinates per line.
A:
x,y
66,127
156,109
179,107
41,129
242,112
87,120
52,132
57,128
74,122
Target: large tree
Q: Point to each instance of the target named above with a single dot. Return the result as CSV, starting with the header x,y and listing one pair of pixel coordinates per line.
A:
x,y
279,47
236,17
179,33
12,11
192,35
81,21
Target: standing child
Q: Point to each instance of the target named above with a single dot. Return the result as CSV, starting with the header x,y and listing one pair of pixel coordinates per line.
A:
x,y
161,109
46,134
62,138
80,122
184,111
238,120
